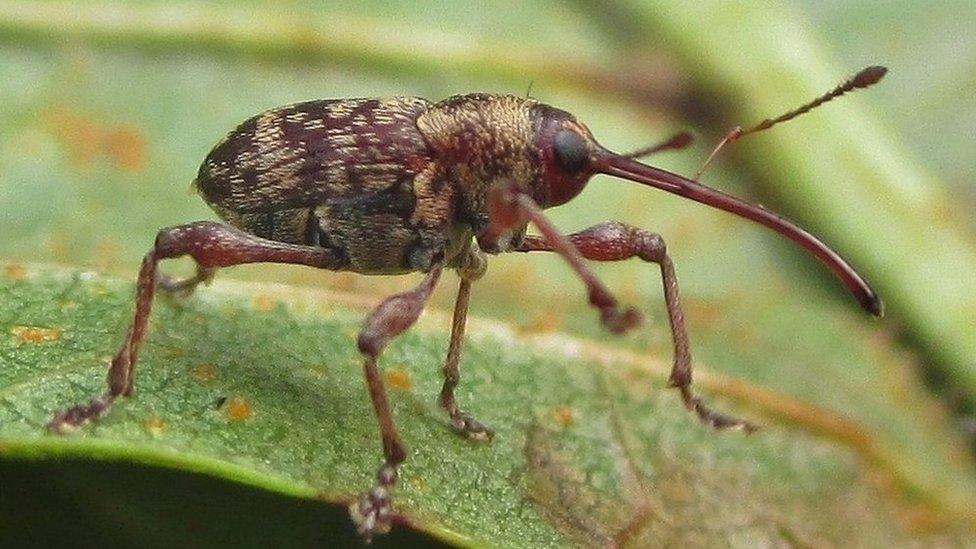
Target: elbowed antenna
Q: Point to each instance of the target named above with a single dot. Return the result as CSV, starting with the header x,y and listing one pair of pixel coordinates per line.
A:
x,y
865,78
622,166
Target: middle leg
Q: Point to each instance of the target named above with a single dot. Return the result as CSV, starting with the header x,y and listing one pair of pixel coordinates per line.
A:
x,y
371,512
508,208
473,268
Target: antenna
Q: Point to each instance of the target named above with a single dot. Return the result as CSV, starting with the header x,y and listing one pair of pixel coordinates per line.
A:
x,y
679,140
865,78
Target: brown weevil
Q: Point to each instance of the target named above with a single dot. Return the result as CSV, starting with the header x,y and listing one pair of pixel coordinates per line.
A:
x,y
389,186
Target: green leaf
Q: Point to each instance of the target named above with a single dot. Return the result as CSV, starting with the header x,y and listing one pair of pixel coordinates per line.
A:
x,y
262,385
109,107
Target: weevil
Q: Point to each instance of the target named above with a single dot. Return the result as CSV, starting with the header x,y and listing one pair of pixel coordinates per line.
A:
x,y
403,185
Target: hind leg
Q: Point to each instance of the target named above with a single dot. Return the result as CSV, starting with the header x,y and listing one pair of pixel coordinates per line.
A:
x,y
211,245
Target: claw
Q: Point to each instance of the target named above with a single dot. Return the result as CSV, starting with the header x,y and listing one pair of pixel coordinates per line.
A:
x,y
711,418
69,419
471,428
372,513
620,322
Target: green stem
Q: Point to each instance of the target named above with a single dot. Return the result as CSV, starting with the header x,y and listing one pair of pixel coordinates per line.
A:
x,y
359,42
839,170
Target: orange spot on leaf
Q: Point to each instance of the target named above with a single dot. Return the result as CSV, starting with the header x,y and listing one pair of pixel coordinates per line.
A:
x,y
264,303
56,246
14,271
238,409
35,334
154,426
106,254
87,140
563,415
205,373
548,321
918,519
343,281
397,378
126,147
704,311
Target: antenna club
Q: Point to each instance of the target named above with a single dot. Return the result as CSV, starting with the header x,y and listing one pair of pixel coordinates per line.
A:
x,y
869,76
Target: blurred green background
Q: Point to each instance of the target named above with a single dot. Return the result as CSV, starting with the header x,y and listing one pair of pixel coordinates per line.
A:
x,y
107,108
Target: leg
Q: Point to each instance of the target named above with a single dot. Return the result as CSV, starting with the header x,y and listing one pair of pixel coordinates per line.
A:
x,y
211,245
508,208
614,241
465,423
371,512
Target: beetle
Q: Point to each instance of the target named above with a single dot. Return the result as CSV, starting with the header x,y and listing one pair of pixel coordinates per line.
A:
x,y
402,185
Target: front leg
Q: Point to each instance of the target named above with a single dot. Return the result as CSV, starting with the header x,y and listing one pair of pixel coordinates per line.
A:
x,y
613,241
510,209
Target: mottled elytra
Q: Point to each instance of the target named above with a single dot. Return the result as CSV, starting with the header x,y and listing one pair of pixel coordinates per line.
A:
x,y
400,185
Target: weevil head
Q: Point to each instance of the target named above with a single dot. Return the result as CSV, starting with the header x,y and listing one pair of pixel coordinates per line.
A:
x,y
481,138
564,149
568,155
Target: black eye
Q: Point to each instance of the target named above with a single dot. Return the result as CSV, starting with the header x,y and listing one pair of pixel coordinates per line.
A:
x,y
571,151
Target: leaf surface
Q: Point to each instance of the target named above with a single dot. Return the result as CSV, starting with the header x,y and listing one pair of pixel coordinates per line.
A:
x,y
262,385
109,107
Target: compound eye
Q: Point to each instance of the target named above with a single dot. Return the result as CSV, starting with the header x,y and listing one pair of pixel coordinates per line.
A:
x,y
572,151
